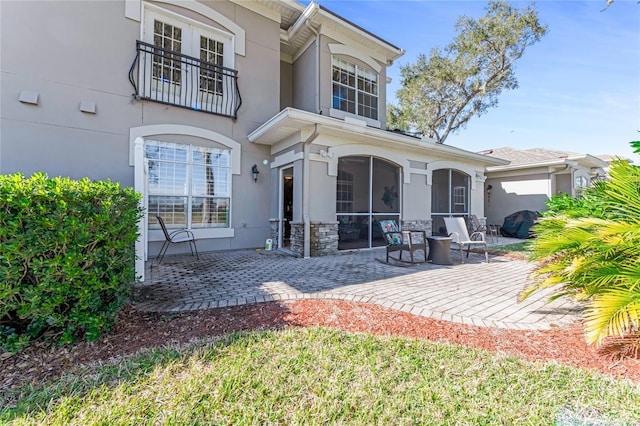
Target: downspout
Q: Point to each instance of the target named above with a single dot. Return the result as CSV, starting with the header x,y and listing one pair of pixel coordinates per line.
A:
x,y
317,99
306,188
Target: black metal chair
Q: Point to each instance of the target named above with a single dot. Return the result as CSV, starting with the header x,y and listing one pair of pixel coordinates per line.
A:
x,y
176,237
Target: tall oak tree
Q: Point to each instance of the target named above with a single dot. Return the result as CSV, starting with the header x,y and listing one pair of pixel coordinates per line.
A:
x,y
442,92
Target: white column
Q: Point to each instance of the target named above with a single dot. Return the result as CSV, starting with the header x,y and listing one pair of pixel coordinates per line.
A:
x,y
138,186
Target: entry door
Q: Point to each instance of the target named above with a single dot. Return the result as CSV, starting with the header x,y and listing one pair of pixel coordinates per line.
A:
x,y
285,205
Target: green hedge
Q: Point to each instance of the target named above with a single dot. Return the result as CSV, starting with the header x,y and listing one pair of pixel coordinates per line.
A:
x,y
67,257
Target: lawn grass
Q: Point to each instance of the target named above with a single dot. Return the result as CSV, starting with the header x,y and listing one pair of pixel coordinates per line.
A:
x,y
325,376
522,249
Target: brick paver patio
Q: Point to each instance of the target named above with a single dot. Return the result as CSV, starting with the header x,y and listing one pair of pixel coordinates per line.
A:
x,y
472,293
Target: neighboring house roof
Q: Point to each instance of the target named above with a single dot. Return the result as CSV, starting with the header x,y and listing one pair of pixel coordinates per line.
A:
x,y
291,121
609,158
540,157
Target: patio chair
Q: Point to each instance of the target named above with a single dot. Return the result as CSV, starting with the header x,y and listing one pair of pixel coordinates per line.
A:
x,y
476,226
457,230
397,240
489,231
176,237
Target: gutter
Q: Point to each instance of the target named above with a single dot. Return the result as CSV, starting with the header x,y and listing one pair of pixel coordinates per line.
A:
x,y
549,163
302,20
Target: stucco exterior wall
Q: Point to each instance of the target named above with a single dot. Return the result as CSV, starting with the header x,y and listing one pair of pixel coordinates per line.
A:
x,y
322,198
286,85
515,193
416,198
304,75
563,184
63,56
73,51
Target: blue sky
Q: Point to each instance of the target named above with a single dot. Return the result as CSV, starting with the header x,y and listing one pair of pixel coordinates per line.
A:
x,y
579,86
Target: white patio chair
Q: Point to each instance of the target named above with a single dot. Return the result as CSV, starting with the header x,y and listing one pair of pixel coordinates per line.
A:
x,y
457,230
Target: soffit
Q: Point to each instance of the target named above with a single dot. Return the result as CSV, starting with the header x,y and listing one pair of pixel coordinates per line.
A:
x,y
290,122
336,27
284,11
289,10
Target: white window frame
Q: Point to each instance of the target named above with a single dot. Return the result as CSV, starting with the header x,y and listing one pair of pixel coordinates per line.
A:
x,y
460,197
137,135
344,193
186,192
340,113
190,45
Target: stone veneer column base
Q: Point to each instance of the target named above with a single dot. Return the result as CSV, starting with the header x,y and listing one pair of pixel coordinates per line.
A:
x,y
274,232
416,225
323,238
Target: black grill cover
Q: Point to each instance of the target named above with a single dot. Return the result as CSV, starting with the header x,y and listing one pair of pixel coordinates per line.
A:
x,y
518,224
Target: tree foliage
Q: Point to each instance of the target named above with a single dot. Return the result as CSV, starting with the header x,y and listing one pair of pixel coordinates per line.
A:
x,y
590,250
442,92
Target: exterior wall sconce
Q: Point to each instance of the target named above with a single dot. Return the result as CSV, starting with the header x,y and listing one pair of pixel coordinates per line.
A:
x,y
254,172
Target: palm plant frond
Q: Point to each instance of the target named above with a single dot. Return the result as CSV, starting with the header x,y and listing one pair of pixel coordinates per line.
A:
x,y
613,313
590,248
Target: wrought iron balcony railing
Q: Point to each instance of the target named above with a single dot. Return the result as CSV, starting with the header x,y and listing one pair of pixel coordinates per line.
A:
x,y
171,78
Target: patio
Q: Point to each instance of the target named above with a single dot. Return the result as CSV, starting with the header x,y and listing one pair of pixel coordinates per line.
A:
x,y
474,293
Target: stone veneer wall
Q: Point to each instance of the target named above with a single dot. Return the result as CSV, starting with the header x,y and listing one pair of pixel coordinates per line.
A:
x,y
323,241
416,225
324,235
274,232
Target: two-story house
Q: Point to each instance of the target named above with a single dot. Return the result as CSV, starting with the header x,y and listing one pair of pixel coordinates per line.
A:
x,y
240,120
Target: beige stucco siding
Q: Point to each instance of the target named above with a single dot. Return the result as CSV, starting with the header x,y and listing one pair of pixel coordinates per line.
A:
x,y
304,75
286,85
74,51
322,198
512,194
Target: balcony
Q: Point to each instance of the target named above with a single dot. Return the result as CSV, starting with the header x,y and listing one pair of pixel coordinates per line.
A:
x,y
171,78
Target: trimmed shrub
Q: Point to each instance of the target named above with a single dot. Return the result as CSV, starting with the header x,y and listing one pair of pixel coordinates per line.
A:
x,y
67,257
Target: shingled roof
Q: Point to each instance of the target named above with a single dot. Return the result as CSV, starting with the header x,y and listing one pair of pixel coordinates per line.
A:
x,y
528,156
536,157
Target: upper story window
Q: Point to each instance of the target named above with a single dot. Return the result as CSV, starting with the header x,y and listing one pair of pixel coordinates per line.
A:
x,y
184,63
355,88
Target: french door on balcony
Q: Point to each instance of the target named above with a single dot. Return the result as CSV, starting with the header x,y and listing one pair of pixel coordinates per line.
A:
x,y
186,66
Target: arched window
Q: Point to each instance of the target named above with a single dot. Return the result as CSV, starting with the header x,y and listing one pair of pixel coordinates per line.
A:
x,y
355,88
368,190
